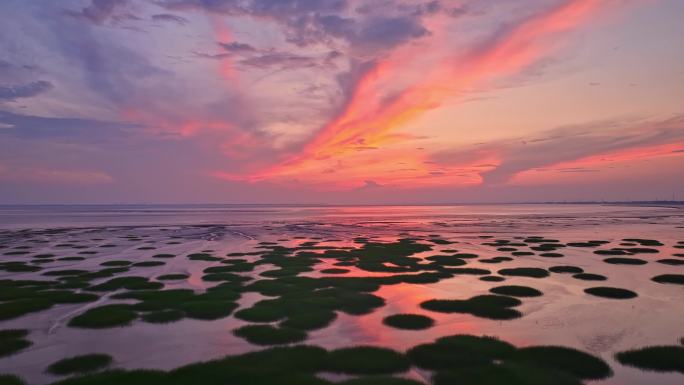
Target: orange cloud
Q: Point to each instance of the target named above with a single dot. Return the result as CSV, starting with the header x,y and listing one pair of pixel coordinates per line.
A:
x,y
626,155
222,34
372,116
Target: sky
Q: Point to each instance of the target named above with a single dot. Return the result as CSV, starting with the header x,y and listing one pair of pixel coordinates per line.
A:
x,y
341,101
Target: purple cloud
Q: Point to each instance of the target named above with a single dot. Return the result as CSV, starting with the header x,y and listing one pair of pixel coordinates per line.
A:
x,y
12,93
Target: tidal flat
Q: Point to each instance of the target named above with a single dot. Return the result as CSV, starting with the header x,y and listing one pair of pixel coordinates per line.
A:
x,y
515,294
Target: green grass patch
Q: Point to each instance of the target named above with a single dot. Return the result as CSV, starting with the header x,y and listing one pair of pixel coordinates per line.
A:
x,y
66,296
13,341
116,263
495,260
309,320
466,271
655,358
269,335
20,307
380,380
173,277
485,306
625,261
80,364
149,263
671,261
208,309
516,291
447,260
551,255
10,379
492,278
409,321
163,316
676,279
106,316
610,292
589,277
459,351
531,272
581,365
128,283
163,256
566,269
203,257
366,360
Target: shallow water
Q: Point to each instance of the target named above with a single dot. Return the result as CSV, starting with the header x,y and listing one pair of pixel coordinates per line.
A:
x,y
564,315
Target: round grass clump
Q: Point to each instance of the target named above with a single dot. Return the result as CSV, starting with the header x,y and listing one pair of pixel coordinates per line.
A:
x,y
516,291
485,306
116,263
163,316
66,296
12,341
128,283
589,277
409,321
625,261
64,273
488,345
459,351
447,260
495,260
466,271
208,309
10,379
163,256
107,316
611,252
656,358
508,372
492,278
309,320
80,364
203,257
269,335
671,261
379,380
531,272
334,271
676,279
173,277
522,253
566,269
224,277
366,360
611,292
149,263
551,255
20,307
465,255
261,313
580,364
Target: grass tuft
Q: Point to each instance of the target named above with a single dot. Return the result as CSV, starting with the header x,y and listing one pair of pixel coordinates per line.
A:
x,y
80,364
409,321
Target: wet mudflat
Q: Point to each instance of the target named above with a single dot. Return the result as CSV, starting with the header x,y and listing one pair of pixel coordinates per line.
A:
x,y
387,295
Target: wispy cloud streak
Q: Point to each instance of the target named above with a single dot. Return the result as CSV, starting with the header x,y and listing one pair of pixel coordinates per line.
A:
x,y
371,116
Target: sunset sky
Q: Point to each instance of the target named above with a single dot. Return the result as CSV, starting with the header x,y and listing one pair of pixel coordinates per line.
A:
x,y
341,101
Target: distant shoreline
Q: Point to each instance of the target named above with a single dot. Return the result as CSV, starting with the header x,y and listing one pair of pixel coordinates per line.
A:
x,y
671,204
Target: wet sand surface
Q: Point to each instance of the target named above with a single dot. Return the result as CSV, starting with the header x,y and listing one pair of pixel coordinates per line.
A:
x,y
564,315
